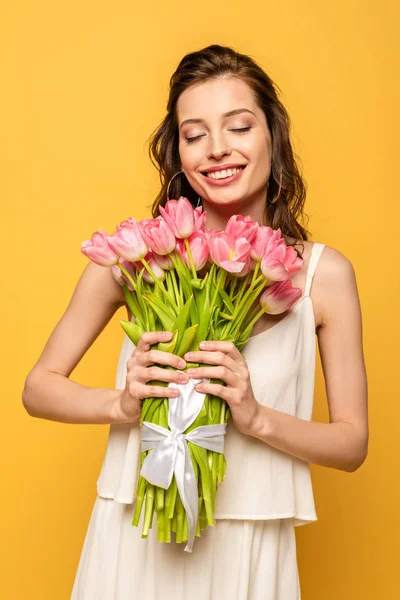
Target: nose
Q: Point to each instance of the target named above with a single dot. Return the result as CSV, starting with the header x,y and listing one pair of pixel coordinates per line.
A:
x,y
218,147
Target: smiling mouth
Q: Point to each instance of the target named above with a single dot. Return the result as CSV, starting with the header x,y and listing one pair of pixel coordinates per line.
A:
x,y
224,174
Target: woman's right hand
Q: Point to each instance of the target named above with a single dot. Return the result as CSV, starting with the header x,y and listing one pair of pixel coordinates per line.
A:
x,y
141,369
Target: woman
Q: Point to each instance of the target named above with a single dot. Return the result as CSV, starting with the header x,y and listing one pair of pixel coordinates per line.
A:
x,y
227,135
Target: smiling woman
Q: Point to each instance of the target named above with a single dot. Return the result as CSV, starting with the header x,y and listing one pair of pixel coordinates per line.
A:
x,y
227,133
223,113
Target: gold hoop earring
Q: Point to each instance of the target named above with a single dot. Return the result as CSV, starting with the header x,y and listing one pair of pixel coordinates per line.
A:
x,y
279,189
169,183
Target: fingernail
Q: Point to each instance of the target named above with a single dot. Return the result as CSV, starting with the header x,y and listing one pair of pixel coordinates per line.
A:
x,y
189,355
183,378
182,364
203,344
191,371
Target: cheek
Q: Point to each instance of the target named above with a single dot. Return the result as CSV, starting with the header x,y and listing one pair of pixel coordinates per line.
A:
x,y
189,156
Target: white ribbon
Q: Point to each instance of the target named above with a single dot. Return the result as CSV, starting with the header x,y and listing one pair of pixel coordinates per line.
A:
x,y
171,453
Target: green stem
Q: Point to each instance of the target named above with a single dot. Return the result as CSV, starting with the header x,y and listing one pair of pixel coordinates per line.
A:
x,y
140,495
167,528
170,498
178,297
221,277
233,287
149,510
180,515
221,456
253,321
188,250
127,275
242,308
183,275
161,525
158,282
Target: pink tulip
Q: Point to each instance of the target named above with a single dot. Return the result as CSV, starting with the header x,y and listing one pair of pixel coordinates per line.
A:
x,y
127,241
279,297
248,266
99,250
199,218
154,266
179,216
198,247
163,261
158,235
240,226
229,252
281,262
209,233
263,241
120,276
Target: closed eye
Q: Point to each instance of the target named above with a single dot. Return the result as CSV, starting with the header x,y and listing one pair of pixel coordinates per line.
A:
x,y
193,139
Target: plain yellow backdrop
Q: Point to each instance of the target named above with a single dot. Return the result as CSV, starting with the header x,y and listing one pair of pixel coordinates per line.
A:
x,y
83,86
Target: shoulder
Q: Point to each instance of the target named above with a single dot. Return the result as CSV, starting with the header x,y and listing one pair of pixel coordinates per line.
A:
x,y
334,279
333,266
334,284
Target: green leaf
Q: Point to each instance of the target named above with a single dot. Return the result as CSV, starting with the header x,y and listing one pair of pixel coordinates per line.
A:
x,y
132,330
228,317
196,283
228,302
203,305
187,341
168,346
166,320
133,305
181,320
139,296
158,302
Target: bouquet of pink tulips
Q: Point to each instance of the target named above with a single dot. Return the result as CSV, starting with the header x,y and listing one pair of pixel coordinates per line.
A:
x,y
201,285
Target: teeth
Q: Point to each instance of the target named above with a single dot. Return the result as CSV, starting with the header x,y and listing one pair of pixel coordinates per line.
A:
x,y
225,173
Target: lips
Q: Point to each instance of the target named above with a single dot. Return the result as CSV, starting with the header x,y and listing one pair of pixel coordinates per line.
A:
x,y
226,180
222,168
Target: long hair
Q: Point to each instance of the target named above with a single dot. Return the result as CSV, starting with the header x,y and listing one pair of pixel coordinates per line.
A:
x,y
220,61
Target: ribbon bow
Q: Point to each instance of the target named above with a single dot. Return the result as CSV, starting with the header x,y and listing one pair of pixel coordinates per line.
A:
x,y
171,453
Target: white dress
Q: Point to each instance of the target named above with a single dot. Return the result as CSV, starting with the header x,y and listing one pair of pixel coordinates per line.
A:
x,y
250,553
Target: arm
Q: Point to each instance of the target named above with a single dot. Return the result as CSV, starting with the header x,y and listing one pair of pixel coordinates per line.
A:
x,y
342,443
48,392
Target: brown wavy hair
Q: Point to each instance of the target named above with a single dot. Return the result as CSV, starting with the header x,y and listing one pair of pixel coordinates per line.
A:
x,y
220,61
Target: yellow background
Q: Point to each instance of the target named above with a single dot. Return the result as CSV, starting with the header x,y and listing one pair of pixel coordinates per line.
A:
x,y
83,86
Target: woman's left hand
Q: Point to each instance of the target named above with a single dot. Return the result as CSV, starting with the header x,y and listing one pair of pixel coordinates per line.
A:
x,y
231,367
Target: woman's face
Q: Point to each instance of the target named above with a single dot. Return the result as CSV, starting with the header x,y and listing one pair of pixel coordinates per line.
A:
x,y
210,138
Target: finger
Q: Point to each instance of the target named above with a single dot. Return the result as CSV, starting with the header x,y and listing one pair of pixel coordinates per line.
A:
x,y
163,358
160,374
213,358
222,373
214,388
228,348
156,391
148,338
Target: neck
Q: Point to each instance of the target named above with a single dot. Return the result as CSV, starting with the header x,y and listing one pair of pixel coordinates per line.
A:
x,y
219,214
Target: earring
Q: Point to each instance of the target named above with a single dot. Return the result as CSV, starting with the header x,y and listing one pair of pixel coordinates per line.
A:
x,y
169,183
279,189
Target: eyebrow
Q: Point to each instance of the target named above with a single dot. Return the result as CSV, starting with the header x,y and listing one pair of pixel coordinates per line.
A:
x,y
230,113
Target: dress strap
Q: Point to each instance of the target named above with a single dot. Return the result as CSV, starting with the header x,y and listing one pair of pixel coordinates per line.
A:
x,y
314,258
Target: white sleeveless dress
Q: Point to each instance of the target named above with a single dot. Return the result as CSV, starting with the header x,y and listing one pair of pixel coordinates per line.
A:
x,y
250,553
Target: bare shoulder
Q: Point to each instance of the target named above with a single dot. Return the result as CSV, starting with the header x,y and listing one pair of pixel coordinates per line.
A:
x,y
334,281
